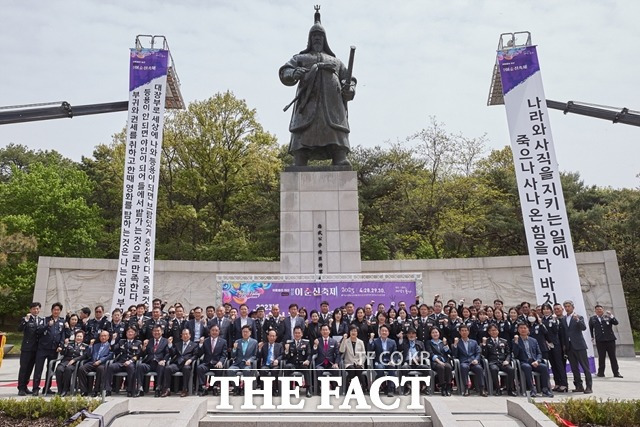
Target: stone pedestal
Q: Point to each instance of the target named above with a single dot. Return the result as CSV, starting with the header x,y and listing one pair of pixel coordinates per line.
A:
x,y
319,223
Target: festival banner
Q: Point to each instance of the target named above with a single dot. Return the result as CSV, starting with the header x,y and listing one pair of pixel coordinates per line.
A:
x,y
311,294
147,91
553,263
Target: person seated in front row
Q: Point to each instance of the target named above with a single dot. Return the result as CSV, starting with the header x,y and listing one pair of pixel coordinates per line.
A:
x,y
297,353
327,353
441,360
100,354
498,353
126,353
73,354
383,348
270,355
354,355
214,351
154,357
527,351
468,352
182,356
245,352
415,356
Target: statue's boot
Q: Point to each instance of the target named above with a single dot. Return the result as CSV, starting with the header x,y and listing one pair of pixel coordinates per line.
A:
x,y
339,158
300,158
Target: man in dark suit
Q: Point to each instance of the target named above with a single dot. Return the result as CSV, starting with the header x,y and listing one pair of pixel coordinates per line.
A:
x,y
270,356
245,353
291,322
468,352
139,320
97,324
154,357
527,351
242,321
297,353
384,347
28,326
50,337
261,325
327,353
325,314
214,351
601,328
575,347
223,324
177,325
182,357
197,326
498,353
276,322
126,353
100,354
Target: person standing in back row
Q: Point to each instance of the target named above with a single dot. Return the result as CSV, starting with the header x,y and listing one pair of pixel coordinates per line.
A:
x,y
575,347
601,329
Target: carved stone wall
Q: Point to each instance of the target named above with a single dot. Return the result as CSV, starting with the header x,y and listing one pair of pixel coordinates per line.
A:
x,y
83,282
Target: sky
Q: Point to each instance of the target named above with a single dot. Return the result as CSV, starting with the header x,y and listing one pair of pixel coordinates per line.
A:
x,y
414,59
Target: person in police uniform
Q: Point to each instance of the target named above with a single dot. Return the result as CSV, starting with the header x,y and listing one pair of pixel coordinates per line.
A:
x,y
155,320
28,326
97,324
276,322
50,336
139,320
116,326
297,355
423,324
498,353
126,353
73,354
601,329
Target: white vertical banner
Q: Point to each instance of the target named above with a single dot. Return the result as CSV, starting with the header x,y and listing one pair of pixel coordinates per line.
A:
x,y
553,262
147,92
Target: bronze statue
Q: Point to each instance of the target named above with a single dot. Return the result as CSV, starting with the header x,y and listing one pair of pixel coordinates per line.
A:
x,y
319,126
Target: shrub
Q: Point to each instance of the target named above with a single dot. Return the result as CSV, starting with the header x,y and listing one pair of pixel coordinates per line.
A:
x,y
610,412
37,407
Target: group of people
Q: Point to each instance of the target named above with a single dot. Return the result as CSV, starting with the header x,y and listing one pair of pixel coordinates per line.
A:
x,y
389,342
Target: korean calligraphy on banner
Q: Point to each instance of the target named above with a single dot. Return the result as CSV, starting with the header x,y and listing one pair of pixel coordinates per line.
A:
x,y
147,91
553,263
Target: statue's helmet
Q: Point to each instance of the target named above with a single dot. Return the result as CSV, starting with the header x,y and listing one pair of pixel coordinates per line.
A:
x,y
318,28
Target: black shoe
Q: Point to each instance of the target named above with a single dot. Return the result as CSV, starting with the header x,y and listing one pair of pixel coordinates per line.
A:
x,y
407,391
36,392
276,392
466,393
578,389
215,392
108,393
28,391
64,394
483,393
309,393
533,393
129,394
512,393
618,376
600,375
202,392
94,394
588,391
138,393
84,394
22,393
443,391
448,390
547,393
389,393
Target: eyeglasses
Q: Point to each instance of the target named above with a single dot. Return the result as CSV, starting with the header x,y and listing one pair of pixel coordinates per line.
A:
x,y
172,312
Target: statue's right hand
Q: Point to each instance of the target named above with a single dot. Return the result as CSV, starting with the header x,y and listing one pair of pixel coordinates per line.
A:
x,y
299,72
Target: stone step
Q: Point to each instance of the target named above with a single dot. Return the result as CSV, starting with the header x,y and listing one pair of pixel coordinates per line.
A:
x,y
313,420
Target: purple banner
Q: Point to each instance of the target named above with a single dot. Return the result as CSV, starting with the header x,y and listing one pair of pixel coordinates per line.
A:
x,y
146,65
517,65
310,295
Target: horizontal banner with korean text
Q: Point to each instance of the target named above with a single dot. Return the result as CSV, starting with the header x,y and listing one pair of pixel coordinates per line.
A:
x,y
311,294
147,91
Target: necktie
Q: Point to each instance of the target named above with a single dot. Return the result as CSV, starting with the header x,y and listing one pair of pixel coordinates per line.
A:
x,y
270,355
213,345
297,344
244,347
326,351
527,349
184,347
155,345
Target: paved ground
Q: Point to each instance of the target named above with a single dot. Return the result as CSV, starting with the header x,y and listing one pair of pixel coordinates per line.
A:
x,y
469,411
